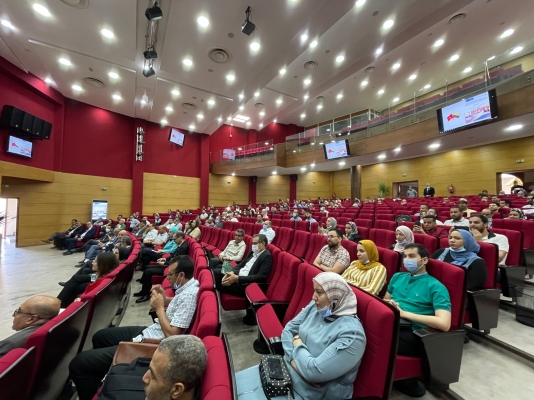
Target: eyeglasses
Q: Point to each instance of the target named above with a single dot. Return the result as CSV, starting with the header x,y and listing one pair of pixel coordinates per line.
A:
x,y
172,273
17,311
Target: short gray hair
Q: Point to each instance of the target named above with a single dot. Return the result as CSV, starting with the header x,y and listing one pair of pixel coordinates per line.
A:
x,y
240,231
187,360
262,239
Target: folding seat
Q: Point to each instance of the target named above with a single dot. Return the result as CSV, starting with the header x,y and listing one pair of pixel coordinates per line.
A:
x,y
207,320
302,226
444,228
287,216
431,243
385,224
56,344
214,239
300,243
408,224
515,240
95,235
317,242
342,221
368,216
367,223
206,234
283,238
276,216
351,247
392,261
15,369
218,381
525,226
363,232
287,223
335,214
226,237
228,225
386,217
382,237
314,227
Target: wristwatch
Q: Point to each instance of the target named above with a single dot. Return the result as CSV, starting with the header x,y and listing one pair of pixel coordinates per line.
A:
x,y
295,337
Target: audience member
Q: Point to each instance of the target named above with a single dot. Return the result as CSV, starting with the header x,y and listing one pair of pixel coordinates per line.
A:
x,y
295,216
351,232
331,224
234,251
411,192
434,212
516,213
462,205
367,272
157,219
122,224
149,254
170,223
209,222
31,314
219,223
404,236
72,227
193,230
333,257
59,240
259,219
160,238
134,222
429,228
529,207
505,204
83,237
456,218
478,225
487,213
140,229
268,231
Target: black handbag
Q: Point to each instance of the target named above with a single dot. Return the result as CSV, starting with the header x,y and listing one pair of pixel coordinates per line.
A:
x,y
125,381
275,378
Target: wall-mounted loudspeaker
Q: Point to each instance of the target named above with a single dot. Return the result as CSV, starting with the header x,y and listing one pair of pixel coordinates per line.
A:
x,y
23,122
12,116
254,179
294,178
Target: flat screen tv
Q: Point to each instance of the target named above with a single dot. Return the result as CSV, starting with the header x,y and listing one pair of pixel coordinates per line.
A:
x,y
19,147
176,137
468,112
335,150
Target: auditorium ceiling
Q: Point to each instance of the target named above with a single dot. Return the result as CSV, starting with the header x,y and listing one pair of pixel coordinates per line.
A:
x,y
92,51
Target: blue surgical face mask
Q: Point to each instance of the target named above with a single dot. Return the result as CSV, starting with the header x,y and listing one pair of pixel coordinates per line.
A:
x,y
264,227
255,248
325,312
458,249
402,242
411,265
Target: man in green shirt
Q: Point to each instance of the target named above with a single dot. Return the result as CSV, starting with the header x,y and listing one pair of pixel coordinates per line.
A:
x,y
422,300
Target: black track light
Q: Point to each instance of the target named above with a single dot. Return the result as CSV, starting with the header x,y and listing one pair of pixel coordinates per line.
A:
x,y
248,27
154,13
148,72
150,53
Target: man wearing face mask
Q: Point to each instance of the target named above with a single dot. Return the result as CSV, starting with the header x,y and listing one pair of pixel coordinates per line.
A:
x,y
88,368
268,231
429,191
295,216
422,300
219,223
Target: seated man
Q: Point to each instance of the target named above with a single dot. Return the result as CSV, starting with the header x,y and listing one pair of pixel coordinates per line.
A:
x,y
456,218
72,227
204,214
33,313
462,204
101,246
529,207
434,212
134,222
170,223
219,223
84,237
89,367
255,268
234,251
140,229
149,254
295,216
159,239
429,228
122,223
109,235
268,231
423,209
59,241
487,213
422,300
333,257
478,225
209,222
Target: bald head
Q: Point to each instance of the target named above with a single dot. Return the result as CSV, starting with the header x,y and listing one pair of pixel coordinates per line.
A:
x,y
36,311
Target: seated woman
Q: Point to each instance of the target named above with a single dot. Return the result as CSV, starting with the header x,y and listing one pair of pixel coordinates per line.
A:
x,y
404,236
259,219
462,251
351,232
193,230
322,358
74,287
366,273
157,219
331,224
516,213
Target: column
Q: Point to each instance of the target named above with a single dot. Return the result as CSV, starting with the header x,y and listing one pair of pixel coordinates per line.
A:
x,y
138,170
355,181
204,170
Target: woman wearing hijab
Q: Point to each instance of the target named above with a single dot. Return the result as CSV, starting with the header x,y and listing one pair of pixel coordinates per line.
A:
x,y
323,346
404,236
366,273
331,224
351,232
516,213
462,251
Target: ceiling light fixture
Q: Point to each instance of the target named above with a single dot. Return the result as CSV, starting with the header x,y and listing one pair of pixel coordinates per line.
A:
x,y
241,96
507,33
150,53
381,156
274,172
203,21
340,59
491,58
303,169
262,113
320,143
256,94
396,66
395,99
412,77
360,3
219,119
364,83
305,97
8,24
426,87
241,108
175,92
312,165
49,81
113,75
303,37
342,163
320,106
515,127
143,101
388,24
65,61
379,51
397,149
230,77
229,118
468,69
279,101
282,71
254,46
187,62
169,109
243,117
107,33
211,102
248,27
517,49
191,127
381,91
248,123
307,81
154,13
117,97
454,57
148,72
438,42
274,121
41,10
77,88
233,173
200,116
339,96
434,146
313,44
302,115
163,121
261,125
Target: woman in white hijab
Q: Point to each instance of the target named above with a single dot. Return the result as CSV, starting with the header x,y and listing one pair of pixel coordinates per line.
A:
x,y
323,346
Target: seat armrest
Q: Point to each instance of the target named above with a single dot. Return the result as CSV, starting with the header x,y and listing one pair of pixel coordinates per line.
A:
x,y
443,352
151,341
512,277
254,294
157,280
275,343
483,306
529,261
127,352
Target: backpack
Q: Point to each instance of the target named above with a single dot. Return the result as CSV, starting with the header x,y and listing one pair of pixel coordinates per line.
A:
x,y
404,218
124,381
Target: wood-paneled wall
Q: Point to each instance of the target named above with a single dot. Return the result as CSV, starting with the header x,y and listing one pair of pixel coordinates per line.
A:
x,y
341,183
226,189
272,188
469,170
161,192
314,184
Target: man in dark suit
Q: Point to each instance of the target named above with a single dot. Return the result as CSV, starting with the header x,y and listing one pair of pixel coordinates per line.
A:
x,y
59,241
159,269
84,237
429,191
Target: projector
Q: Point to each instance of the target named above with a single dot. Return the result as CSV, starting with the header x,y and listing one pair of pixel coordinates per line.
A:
x,y
248,27
148,72
150,53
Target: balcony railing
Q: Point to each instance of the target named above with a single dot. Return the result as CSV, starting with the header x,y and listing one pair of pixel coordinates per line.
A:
x,y
253,152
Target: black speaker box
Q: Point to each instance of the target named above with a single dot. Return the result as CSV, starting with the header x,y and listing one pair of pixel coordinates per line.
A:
x,y
12,117
47,130
295,178
37,128
27,123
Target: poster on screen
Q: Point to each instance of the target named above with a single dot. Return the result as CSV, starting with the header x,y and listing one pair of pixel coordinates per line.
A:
x,y
228,154
99,209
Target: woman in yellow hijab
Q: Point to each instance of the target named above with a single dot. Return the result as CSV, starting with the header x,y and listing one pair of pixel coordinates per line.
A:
x,y
366,273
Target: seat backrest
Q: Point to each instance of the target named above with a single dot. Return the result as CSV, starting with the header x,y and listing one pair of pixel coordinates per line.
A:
x,y
382,237
490,253
431,243
301,241
408,224
385,224
515,240
363,232
390,259
387,217
303,291
283,282
249,229
367,223
206,321
56,344
351,247
218,381
317,242
15,371
302,226
205,280
314,226
214,239
525,226
365,215
283,238
206,233
228,225
287,223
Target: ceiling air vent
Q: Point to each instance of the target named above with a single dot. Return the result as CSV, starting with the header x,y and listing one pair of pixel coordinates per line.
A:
x,y
258,105
94,82
189,106
457,18
219,55
77,3
319,98
311,65
370,70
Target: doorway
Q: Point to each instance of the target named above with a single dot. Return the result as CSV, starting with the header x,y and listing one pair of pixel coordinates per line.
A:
x,y
400,189
524,179
9,211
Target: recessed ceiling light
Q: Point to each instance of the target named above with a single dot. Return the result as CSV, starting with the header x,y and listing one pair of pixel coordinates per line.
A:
x,y
454,57
229,118
304,37
427,87
379,51
175,92
163,121
78,88
256,94
203,21
233,173
339,96
468,69
307,81
395,99
242,117
397,149
279,101
187,62
117,97
7,24
49,81
381,156
342,163
41,9
438,42
507,33
282,71
107,33
517,49
261,125
305,97
143,101
241,96
515,127
434,146
169,109
364,83
340,59
412,77
381,91
396,66
219,119
320,106
241,108
321,143
262,113
360,3
254,46
274,172
388,24
303,169
65,61
274,121
491,58
312,165
266,143
200,116
302,115
192,128
328,130
248,123
113,75
230,77
313,44
211,102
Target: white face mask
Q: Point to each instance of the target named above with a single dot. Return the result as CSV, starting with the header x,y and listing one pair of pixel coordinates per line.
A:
x,y
255,248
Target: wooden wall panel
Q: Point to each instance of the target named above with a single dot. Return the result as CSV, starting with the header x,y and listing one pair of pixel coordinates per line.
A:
x,y
272,188
161,192
222,193
341,183
314,184
469,170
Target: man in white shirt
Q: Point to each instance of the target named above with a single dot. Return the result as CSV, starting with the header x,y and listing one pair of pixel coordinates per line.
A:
x,y
160,239
434,212
268,231
204,215
231,218
170,223
456,218
234,251
133,222
478,225
529,207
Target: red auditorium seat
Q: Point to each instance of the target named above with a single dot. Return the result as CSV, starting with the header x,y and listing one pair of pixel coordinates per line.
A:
x,y
314,226
302,226
301,241
385,224
431,243
226,237
228,225
367,223
207,321
214,239
392,261
206,234
287,223
95,235
342,221
408,224
249,229
317,242
363,232
385,217
525,226
363,215
382,237
15,369
218,381
283,238
351,247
